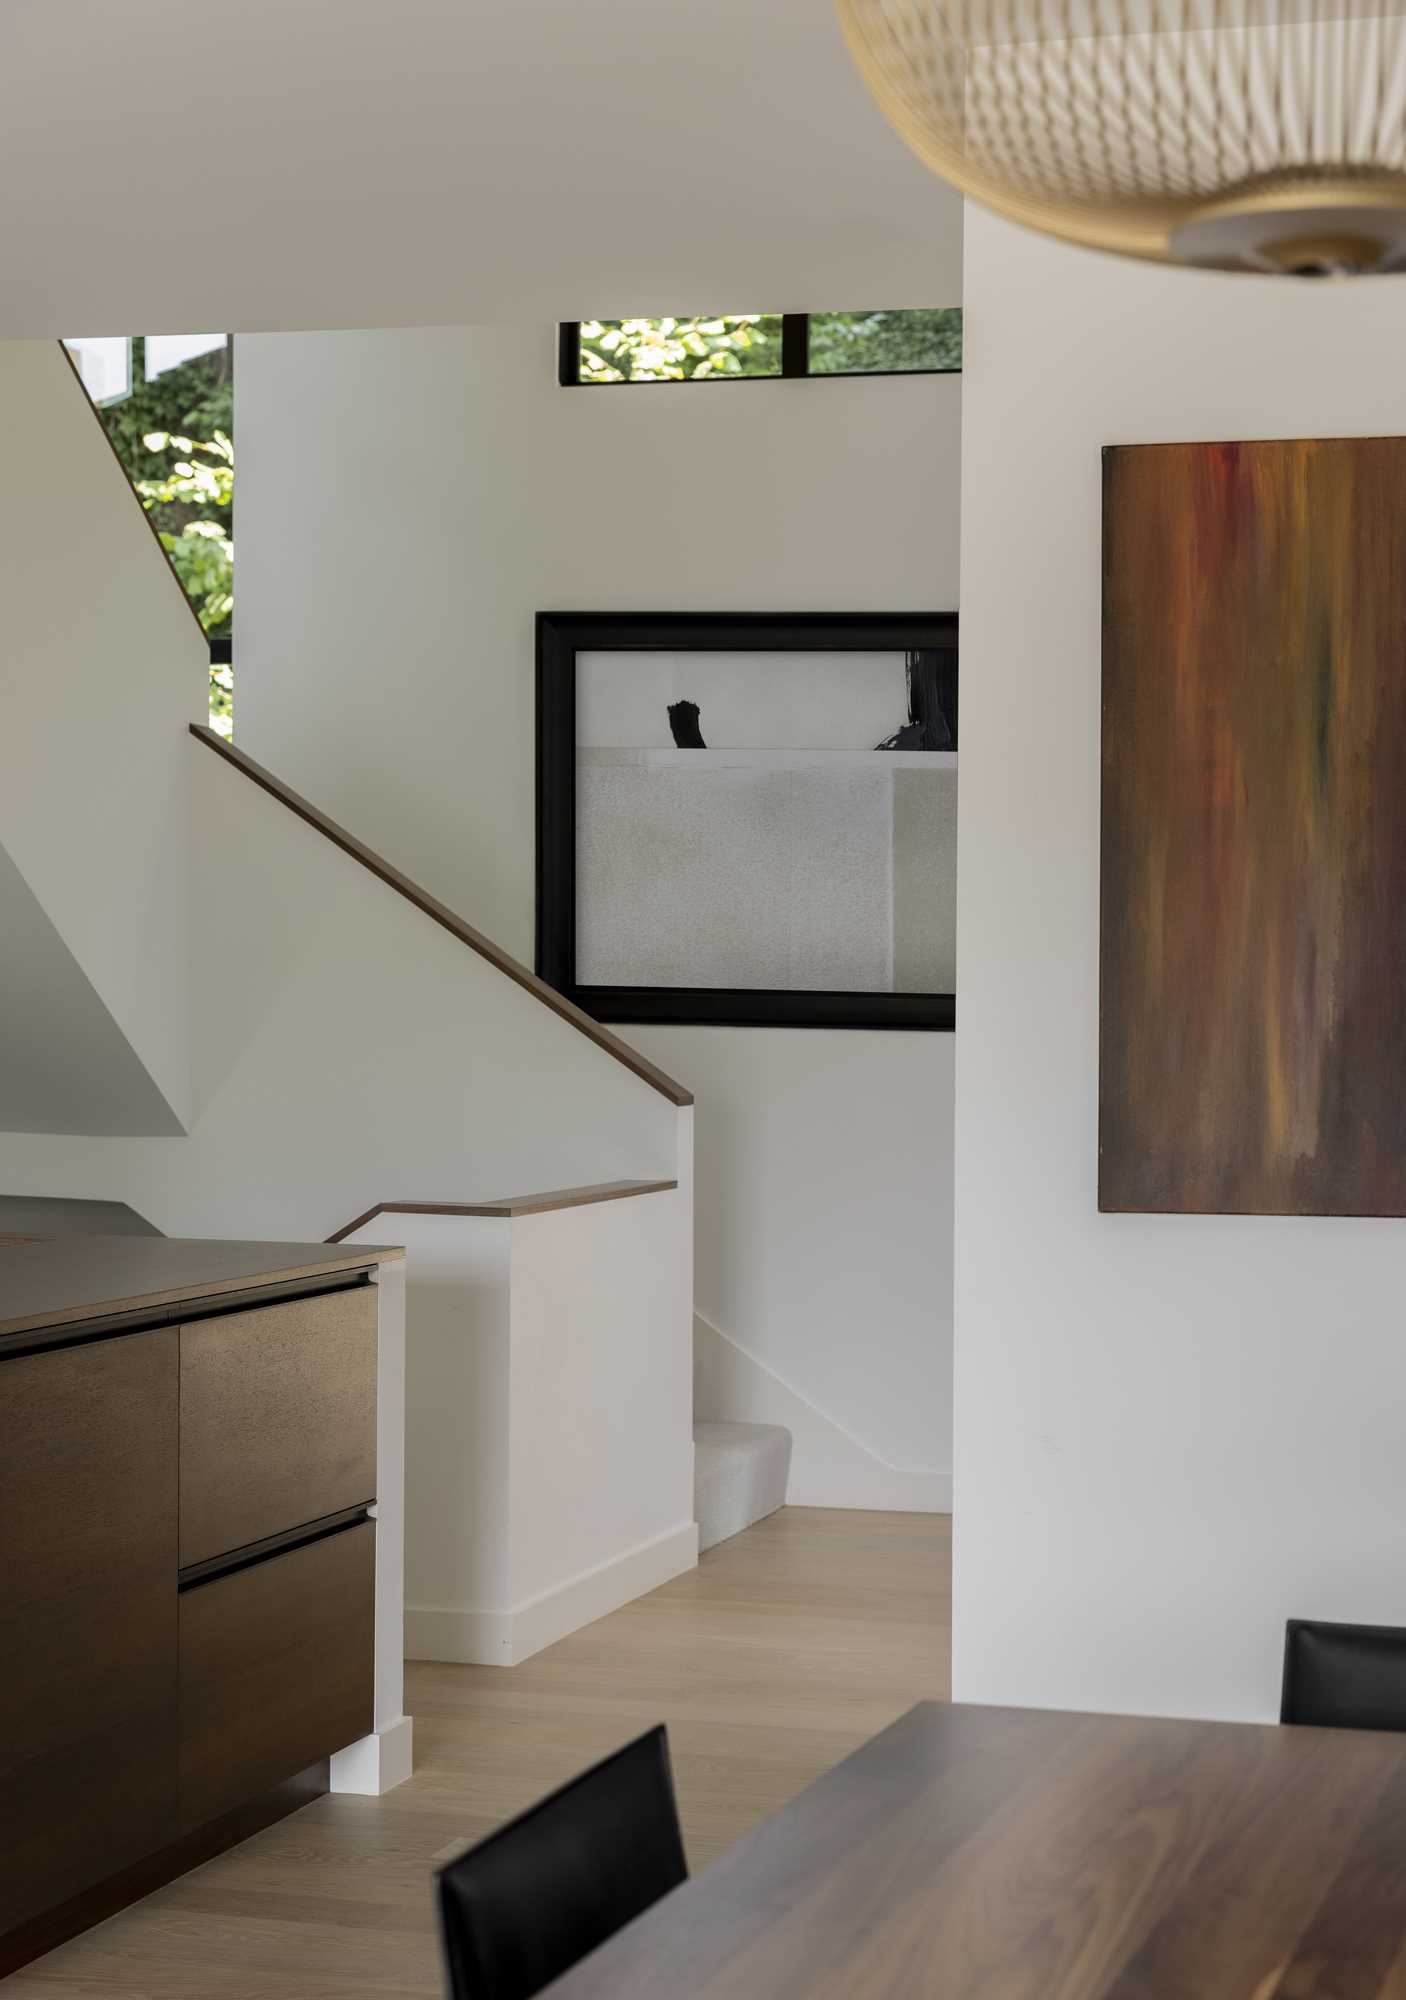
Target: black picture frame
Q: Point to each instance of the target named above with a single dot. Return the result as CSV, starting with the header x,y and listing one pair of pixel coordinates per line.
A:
x,y
561,635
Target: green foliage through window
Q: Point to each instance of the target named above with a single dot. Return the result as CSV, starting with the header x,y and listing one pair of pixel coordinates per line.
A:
x,y
881,343
729,346
680,350
173,437
198,483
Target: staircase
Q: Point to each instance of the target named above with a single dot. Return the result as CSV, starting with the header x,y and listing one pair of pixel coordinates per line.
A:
x,y
739,1476
225,1014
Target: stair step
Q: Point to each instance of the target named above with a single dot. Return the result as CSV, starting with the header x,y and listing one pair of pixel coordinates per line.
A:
x,y
739,1476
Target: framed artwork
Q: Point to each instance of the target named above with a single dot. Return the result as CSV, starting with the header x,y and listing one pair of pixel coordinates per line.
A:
x,y
1252,1054
749,819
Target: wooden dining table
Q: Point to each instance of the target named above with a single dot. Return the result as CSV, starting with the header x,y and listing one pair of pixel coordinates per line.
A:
x,y
1027,1854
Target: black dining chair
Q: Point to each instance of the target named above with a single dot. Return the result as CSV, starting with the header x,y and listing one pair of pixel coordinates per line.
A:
x,y
523,1906
1344,1676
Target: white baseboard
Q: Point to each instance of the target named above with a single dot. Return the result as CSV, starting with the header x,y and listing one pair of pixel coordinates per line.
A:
x,y
376,1763
506,1638
830,1466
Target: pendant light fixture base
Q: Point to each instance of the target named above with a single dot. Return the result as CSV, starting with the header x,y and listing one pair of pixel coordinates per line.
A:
x,y
1320,225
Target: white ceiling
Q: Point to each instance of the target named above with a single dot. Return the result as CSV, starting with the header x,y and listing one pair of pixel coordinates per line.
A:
x,y
298,163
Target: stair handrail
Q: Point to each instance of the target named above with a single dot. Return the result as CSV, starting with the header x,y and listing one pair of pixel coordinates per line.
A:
x,y
509,1205
446,918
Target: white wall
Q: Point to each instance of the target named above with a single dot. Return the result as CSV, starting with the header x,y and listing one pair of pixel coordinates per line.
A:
x,y
440,489
824,1242
550,1477
101,667
601,1407
65,1065
388,672
1172,1432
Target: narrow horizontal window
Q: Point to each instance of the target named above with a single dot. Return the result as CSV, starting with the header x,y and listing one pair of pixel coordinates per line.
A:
x,y
885,343
680,350
735,347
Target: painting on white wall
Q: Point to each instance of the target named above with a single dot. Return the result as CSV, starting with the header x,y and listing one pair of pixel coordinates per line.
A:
x,y
749,819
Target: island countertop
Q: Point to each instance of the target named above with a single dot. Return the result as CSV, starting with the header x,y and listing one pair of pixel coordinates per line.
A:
x,y
55,1281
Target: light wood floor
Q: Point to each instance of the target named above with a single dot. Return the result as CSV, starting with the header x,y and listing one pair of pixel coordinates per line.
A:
x,y
776,1657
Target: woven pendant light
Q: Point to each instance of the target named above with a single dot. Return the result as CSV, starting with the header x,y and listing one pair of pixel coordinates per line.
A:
x,y
1268,135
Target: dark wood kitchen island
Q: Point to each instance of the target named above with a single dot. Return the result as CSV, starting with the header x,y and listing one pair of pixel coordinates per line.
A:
x,y
200,1518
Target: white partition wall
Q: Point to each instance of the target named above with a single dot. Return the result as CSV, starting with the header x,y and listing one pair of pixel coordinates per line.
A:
x,y
1172,1432
549,1410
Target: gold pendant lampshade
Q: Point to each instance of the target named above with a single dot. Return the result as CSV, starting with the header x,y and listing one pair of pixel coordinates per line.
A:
x,y
1268,135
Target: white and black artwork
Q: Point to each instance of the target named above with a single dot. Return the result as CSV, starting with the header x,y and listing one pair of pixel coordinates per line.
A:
x,y
763,825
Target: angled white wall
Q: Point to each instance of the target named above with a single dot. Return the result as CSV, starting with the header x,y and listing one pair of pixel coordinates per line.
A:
x,y
1172,1432
388,673
65,1065
101,666
348,1050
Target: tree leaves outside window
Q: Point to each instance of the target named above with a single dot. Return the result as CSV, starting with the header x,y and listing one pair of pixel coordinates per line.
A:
x,y
680,350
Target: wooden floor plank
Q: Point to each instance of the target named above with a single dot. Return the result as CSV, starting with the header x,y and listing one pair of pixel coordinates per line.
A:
x,y
782,1652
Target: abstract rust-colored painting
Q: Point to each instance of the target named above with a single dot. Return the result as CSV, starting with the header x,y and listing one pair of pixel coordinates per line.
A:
x,y
1252,1053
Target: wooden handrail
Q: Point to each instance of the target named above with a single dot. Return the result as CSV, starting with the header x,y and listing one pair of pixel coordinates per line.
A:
x,y
441,914
517,1204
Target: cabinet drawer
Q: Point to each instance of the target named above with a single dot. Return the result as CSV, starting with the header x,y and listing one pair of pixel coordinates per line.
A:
x,y
277,1667
87,1616
278,1419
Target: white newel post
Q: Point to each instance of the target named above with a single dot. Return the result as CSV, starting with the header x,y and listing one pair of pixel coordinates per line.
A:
x,y
377,1762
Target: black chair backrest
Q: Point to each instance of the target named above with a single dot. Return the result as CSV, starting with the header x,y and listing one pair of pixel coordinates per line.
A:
x,y
524,1905
1344,1676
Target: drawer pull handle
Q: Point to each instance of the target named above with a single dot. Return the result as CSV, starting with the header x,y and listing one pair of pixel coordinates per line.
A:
x,y
229,1564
